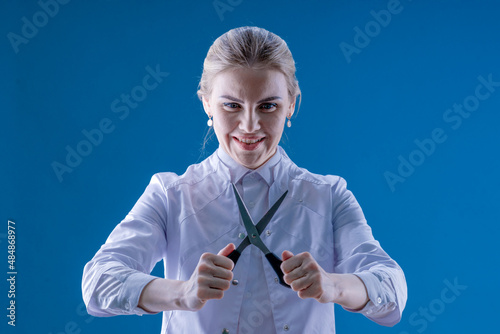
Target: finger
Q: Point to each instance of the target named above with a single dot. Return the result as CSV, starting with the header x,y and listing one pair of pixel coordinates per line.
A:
x,y
209,293
301,283
222,273
227,250
286,255
223,262
290,263
311,291
213,276
207,264
208,267
294,275
219,284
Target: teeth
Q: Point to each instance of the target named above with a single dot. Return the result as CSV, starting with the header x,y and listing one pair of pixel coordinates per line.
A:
x,y
249,141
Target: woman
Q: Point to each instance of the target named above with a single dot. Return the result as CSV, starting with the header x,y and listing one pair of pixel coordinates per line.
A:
x,y
192,221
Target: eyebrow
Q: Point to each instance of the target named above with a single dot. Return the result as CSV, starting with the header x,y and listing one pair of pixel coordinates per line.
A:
x,y
263,100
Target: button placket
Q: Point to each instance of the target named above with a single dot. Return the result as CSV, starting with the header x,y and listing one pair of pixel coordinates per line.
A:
x,y
254,287
253,190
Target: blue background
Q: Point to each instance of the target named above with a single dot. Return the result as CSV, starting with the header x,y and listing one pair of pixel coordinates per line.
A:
x,y
358,115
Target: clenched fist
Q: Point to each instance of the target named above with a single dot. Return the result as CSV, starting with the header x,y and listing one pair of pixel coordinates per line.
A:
x,y
209,280
310,280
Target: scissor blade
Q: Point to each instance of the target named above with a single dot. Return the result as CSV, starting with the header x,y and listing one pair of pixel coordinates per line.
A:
x,y
253,235
261,225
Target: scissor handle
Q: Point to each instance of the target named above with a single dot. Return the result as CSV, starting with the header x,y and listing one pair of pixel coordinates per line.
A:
x,y
276,264
234,256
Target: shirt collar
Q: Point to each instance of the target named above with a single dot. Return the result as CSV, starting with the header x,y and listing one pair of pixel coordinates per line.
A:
x,y
237,171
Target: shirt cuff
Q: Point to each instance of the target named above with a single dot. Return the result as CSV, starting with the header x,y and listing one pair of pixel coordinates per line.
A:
x,y
131,292
379,304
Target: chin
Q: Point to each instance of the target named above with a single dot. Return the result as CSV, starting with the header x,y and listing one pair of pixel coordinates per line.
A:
x,y
249,163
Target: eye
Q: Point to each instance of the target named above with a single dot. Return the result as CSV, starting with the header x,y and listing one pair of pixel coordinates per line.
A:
x,y
231,105
269,106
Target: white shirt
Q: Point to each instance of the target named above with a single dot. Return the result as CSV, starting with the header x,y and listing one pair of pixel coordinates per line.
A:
x,y
178,218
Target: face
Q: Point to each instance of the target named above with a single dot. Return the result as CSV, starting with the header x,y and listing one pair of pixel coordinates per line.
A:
x,y
249,109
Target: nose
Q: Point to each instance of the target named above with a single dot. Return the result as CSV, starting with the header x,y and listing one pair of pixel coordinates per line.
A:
x,y
249,121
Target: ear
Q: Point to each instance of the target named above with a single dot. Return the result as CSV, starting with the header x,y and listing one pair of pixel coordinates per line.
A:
x,y
206,106
291,108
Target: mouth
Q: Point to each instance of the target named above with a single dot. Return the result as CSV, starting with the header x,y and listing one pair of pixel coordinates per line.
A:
x,y
249,144
249,141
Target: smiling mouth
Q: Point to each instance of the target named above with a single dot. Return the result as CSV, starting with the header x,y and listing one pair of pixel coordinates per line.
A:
x,y
249,141
249,144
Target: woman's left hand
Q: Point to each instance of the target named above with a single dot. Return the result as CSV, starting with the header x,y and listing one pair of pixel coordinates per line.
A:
x,y
309,280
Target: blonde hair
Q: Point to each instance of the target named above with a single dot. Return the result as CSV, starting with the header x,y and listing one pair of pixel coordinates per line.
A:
x,y
249,47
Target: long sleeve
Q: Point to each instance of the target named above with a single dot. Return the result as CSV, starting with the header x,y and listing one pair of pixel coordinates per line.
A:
x,y
357,252
113,280
178,218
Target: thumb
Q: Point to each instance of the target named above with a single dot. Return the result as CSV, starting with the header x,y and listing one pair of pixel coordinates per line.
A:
x,y
286,255
227,250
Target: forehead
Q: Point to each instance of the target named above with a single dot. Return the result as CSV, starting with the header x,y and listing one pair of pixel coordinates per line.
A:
x,y
245,82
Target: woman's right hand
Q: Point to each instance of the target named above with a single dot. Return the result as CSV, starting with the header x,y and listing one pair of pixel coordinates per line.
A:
x,y
210,279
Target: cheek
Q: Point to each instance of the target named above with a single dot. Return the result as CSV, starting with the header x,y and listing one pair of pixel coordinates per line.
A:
x,y
224,124
275,125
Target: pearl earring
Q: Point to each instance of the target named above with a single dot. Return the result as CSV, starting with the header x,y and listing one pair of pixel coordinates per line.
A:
x,y
289,123
210,122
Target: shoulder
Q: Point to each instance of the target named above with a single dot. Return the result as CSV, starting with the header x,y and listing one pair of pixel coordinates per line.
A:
x,y
187,193
332,188
194,174
303,175
321,193
201,180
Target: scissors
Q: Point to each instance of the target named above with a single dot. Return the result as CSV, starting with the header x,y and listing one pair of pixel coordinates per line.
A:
x,y
254,232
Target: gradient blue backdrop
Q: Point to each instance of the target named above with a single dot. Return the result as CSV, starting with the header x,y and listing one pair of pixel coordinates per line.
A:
x,y
357,117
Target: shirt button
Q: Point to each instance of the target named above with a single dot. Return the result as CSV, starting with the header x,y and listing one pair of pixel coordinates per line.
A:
x,y
286,327
241,235
276,279
235,282
379,300
225,331
251,204
268,232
